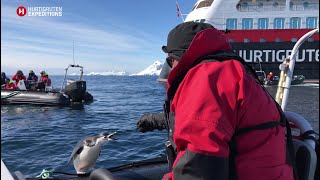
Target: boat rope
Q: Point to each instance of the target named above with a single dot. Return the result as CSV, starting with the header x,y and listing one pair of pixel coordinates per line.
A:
x,y
10,95
45,174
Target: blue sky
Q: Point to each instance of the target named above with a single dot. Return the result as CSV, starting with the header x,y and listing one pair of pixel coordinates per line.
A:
x,y
108,35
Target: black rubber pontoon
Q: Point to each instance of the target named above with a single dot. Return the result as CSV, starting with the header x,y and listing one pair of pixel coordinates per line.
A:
x,y
34,97
152,169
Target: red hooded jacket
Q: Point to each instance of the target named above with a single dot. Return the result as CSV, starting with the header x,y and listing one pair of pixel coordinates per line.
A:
x,y
11,86
46,80
213,100
17,78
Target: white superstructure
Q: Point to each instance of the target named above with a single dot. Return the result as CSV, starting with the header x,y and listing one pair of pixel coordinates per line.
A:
x,y
257,14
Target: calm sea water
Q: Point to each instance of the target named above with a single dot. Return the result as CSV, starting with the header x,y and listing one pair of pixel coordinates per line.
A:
x,y
37,137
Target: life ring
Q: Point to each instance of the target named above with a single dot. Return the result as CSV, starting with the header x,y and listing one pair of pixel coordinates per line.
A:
x,y
307,133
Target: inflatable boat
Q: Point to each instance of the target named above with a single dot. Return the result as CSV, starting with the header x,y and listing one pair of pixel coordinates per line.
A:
x,y
306,147
71,91
34,97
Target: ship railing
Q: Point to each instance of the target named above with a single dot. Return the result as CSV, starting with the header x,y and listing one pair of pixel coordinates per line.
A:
x,y
279,7
220,23
287,68
259,8
304,7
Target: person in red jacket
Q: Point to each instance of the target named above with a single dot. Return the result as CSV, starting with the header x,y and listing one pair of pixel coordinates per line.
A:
x,y
47,80
19,76
270,76
10,85
44,81
227,126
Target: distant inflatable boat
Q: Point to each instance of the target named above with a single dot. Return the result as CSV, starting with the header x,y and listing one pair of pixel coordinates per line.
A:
x,y
34,97
72,91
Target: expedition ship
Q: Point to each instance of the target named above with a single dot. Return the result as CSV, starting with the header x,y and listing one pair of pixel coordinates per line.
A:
x,y
263,32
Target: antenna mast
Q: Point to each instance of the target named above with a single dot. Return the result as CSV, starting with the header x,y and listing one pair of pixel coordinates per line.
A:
x,y
73,52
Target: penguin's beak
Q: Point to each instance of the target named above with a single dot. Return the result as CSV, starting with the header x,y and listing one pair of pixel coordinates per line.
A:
x,y
109,136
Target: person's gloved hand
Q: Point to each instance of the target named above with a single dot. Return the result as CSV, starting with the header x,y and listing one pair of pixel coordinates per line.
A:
x,y
150,122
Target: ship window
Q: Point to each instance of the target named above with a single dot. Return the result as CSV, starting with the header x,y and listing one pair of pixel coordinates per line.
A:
x,y
202,20
247,23
231,40
295,23
246,40
310,40
231,24
260,5
262,40
294,40
291,5
206,3
311,22
263,23
278,40
305,4
278,23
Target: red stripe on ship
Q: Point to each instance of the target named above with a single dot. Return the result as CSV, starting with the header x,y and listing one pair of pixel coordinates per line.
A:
x,y
269,35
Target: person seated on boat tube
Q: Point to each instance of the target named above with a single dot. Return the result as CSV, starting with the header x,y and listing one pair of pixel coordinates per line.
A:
x,y
10,85
44,81
270,76
42,73
226,125
18,76
32,78
3,78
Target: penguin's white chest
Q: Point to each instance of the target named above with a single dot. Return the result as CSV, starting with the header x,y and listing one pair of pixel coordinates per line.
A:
x,y
87,158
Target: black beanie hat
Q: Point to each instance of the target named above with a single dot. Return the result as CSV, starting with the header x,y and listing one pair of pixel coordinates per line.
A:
x,y
180,38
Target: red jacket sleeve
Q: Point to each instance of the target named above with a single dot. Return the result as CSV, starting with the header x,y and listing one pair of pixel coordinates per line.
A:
x,y
205,107
14,77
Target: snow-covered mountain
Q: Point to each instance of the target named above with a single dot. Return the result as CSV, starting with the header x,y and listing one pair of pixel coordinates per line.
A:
x,y
153,70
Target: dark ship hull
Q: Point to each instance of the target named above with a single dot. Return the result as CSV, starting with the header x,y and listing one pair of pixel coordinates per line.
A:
x,y
271,54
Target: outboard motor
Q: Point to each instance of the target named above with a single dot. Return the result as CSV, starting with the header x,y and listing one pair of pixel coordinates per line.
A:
x,y
76,90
